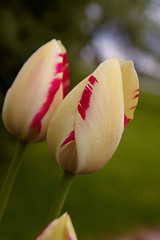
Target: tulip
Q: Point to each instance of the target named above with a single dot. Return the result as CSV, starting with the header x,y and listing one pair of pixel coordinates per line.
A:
x,y
59,229
87,126
39,87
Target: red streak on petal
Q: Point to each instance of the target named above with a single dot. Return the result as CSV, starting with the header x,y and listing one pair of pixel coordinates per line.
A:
x,y
84,102
65,81
55,84
70,138
126,120
86,96
59,68
68,236
65,58
81,112
92,80
90,87
136,96
137,90
66,75
133,107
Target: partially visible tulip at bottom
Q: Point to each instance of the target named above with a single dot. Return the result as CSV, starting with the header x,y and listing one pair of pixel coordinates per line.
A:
x,y
60,229
87,127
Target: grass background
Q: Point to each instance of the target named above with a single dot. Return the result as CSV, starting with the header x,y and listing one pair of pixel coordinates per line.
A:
x,y
121,197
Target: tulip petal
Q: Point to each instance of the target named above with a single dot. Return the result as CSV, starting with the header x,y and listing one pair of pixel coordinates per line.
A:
x,y
100,117
36,122
61,143
86,96
59,229
130,89
61,66
35,93
71,235
70,138
65,69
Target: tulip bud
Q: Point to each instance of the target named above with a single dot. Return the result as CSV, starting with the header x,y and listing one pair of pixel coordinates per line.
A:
x,y
87,127
39,87
59,229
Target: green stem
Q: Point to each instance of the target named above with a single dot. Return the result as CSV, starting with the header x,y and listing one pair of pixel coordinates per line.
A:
x,y
61,196
10,178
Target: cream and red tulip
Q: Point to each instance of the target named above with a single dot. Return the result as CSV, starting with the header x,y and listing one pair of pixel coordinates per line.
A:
x,y
38,89
60,229
87,126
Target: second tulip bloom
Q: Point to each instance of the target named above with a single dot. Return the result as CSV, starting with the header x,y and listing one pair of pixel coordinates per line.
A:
x,y
87,126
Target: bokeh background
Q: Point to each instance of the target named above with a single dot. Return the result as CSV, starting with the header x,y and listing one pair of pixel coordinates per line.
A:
x,y
125,195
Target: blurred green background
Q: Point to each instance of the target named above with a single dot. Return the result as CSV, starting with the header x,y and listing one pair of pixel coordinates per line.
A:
x,y
125,194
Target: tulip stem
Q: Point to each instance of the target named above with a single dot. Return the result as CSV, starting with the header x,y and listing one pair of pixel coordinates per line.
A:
x,y
10,177
61,195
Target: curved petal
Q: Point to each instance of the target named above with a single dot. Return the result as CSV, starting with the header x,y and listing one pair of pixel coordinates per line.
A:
x,y
66,75
35,93
100,117
60,135
130,89
59,229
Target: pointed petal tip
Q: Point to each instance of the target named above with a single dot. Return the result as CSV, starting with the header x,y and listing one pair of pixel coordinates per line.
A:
x,y
130,88
59,229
